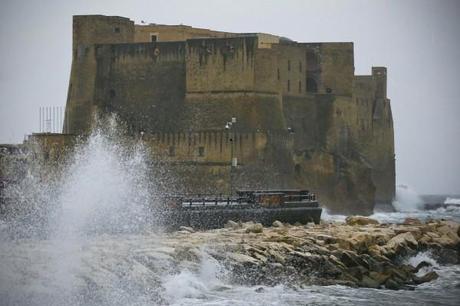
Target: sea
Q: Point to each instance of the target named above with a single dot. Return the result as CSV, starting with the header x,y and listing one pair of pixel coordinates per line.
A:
x,y
98,247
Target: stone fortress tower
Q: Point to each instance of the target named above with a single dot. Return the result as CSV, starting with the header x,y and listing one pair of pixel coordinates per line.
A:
x,y
303,119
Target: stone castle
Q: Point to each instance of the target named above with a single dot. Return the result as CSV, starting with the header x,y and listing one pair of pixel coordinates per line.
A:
x,y
238,110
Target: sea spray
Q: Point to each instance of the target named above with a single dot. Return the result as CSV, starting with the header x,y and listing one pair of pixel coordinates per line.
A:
x,y
452,201
194,282
105,187
407,199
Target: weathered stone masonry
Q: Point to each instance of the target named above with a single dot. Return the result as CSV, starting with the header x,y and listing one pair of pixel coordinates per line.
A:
x,y
303,118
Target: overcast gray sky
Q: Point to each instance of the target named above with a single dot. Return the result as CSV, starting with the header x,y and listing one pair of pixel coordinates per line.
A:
x,y
419,42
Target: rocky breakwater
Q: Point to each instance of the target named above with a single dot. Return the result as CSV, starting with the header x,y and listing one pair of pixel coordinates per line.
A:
x,y
358,253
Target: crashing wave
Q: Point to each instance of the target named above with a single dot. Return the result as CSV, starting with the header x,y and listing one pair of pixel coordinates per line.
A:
x,y
453,201
407,199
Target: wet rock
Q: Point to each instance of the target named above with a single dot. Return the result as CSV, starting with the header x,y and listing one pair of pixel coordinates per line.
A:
x,y
186,229
412,221
330,269
368,282
232,224
260,257
276,266
399,274
430,276
421,265
447,256
327,239
255,228
379,277
277,224
242,259
392,284
334,260
348,258
276,256
360,220
366,256
399,244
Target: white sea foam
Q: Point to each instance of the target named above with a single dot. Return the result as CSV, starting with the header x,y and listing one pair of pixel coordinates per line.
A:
x,y
423,257
190,284
328,217
454,201
407,199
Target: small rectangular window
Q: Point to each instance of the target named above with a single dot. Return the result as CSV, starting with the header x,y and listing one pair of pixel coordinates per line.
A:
x,y
172,151
289,85
116,30
153,38
201,151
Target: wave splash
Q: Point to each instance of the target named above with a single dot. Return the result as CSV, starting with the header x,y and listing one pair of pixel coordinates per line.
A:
x,y
453,201
407,199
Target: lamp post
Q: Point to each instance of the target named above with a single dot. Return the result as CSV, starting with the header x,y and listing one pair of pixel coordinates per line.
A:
x,y
233,160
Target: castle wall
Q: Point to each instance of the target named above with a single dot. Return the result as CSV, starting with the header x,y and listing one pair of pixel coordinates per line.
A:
x,y
99,29
215,147
254,111
87,31
144,33
290,65
143,83
265,71
201,161
182,89
80,96
331,66
375,130
225,79
220,65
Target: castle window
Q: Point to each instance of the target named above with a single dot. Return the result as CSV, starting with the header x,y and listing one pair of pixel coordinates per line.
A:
x,y
153,38
289,65
278,73
112,93
289,85
311,85
116,30
300,66
172,151
300,86
201,151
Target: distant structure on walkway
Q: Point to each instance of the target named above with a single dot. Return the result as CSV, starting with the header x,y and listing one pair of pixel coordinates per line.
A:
x,y
239,110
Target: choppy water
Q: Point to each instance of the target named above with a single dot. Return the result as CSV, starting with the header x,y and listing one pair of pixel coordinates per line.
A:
x,y
133,270
99,247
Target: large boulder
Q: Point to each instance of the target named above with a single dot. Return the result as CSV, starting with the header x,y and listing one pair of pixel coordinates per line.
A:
x,y
360,220
255,228
232,224
400,244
